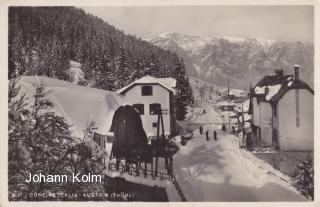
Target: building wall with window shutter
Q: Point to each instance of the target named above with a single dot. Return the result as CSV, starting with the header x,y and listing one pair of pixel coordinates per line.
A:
x,y
160,96
296,120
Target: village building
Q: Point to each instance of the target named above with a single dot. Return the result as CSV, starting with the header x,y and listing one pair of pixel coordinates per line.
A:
x,y
148,94
282,109
242,117
225,106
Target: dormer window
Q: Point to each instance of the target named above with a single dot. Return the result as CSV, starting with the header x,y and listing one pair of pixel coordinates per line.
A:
x,y
146,90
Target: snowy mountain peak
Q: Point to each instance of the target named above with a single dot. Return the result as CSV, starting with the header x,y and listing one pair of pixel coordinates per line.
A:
x,y
239,60
194,43
190,43
175,35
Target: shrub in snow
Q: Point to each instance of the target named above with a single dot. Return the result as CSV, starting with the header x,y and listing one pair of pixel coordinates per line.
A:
x,y
304,181
41,142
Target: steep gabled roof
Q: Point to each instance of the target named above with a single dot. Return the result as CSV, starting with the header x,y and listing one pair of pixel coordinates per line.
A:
x,y
167,83
278,86
294,84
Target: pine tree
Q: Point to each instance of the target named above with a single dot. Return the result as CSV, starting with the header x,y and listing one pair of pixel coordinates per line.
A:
x,y
304,180
105,77
40,142
16,49
182,97
137,70
154,66
122,70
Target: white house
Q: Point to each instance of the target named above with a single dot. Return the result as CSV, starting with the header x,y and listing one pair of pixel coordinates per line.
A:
x,y
146,95
282,112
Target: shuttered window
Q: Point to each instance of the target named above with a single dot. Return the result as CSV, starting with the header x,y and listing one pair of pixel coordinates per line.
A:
x,y
154,108
139,108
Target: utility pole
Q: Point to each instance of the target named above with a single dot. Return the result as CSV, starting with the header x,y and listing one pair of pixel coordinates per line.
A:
x,y
243,122
228,100
228,90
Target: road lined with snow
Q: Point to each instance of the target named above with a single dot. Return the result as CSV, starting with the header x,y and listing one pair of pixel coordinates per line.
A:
x,y
220,171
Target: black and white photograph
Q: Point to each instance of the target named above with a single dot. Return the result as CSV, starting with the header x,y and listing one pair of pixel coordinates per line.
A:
x,y
160,103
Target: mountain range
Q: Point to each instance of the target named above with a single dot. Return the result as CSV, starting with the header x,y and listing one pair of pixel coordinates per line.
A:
x,y
241,61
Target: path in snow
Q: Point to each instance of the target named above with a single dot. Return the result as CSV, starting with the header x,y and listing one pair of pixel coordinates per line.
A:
x,y
220,171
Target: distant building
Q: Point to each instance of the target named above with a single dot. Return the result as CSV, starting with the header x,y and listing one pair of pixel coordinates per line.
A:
x,y
282,112
147,94
225,106
75,73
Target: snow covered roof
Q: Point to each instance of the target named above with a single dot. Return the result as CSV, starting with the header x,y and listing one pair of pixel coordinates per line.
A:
x,y
75,64
167,83
225,103
273,90
277,86
246,117
237,92
77,104
228,113
245,106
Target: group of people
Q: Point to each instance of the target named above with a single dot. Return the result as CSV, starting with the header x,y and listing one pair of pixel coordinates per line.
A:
x,y
215,134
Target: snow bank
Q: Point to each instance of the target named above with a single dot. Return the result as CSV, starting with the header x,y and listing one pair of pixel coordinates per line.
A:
x,y
221,171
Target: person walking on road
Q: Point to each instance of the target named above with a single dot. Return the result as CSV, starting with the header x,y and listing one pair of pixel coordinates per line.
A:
x,y
201,130
223,127
215,135
207,135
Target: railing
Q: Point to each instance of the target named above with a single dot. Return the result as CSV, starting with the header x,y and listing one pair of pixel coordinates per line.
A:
x,y
161,175
178,188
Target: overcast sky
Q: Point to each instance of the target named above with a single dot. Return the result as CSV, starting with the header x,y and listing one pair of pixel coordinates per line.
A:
x,y
286,23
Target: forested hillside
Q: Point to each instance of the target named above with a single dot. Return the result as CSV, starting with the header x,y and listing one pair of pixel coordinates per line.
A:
x,y
42,41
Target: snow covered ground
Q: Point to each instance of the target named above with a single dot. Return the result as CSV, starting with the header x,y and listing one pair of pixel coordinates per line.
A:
x,y
220,171
206,171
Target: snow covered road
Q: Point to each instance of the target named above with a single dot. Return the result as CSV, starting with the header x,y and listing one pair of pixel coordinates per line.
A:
x,y
220,171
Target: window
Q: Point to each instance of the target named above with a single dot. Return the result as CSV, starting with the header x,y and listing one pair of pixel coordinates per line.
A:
x,y
146,90
139,108
154,108
155,124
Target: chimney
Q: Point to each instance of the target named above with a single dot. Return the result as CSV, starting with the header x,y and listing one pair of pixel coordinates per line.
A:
x,y
279,73
266,90
296,72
